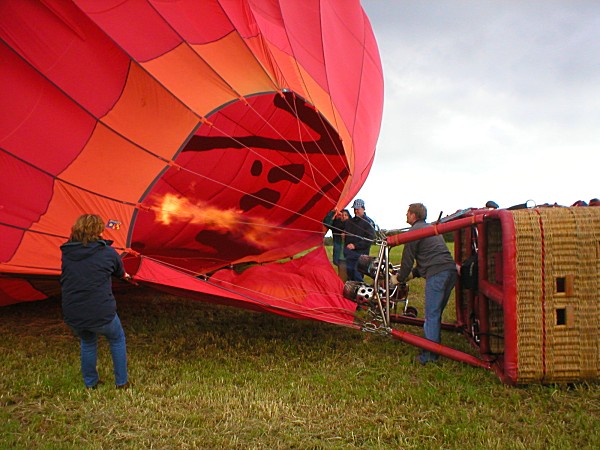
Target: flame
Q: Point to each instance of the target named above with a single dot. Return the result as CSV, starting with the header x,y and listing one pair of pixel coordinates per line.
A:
x,y
256,231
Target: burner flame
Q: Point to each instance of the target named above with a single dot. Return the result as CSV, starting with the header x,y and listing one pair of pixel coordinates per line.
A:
x,y
255,231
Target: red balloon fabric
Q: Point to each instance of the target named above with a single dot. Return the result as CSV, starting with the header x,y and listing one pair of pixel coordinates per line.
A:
x,y
209,135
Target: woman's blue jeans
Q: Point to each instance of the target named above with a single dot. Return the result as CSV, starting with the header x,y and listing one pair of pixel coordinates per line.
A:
x,y
438,288
113,331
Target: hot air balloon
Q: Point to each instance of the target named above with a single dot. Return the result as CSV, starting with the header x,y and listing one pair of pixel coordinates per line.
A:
x,y
213,137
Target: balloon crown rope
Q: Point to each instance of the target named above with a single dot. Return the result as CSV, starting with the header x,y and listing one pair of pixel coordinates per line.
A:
x,y
527,298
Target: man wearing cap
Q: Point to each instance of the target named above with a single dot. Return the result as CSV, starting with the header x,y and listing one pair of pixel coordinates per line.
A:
x,y
360,233
436,265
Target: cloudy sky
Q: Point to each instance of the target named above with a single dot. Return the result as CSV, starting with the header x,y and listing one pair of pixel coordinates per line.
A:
x,y
485,100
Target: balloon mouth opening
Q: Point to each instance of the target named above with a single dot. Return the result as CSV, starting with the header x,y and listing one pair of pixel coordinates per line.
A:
x,y
255,176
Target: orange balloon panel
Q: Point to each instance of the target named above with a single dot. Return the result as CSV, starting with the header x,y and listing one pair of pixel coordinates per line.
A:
x,y
128,169
253,78
38,247
191,80
161,122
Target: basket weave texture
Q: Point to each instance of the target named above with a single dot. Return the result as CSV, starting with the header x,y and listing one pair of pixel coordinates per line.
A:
x,y
558,294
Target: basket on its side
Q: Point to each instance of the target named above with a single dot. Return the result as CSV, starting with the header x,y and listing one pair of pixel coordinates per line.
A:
x,y
539,284
558,294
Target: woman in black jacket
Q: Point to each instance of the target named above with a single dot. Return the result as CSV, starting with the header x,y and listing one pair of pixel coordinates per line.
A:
x,y
88,303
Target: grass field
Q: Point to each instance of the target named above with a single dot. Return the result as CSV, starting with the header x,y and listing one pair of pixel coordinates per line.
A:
x,y
207,376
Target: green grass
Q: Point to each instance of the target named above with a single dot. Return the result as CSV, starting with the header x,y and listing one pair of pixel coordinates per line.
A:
x,y
207,376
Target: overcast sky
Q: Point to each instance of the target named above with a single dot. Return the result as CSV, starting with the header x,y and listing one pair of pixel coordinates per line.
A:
x,y
485,100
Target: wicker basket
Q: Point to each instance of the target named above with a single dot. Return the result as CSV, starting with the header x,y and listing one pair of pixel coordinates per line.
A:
x,y
558,294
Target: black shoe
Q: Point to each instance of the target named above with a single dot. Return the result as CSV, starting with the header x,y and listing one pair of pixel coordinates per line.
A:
x,y
99,382
123,386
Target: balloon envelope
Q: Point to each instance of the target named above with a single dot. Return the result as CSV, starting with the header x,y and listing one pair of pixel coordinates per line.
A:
x,y
210,136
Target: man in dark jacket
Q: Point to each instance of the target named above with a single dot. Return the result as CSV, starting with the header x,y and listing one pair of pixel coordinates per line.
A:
x,y
359,234
436,265
88,303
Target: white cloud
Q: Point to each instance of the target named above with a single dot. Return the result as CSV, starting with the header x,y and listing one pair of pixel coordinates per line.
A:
x,y
485,100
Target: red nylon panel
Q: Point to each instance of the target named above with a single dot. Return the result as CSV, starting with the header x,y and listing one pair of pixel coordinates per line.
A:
x,y
343,46
369,110
270,22
134,24
189,18
308,284
281,180
303,23
16,291
306,288
21,204
241,16
62,43
37,122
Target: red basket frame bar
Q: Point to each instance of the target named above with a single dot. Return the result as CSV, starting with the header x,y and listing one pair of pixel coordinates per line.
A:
x,y
506,364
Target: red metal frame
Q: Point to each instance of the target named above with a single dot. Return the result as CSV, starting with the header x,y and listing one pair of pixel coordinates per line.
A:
x,y
472,308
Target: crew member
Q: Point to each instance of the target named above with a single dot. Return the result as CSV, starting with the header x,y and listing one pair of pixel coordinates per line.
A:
x,y
359,234
88,303
436,265
335,221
